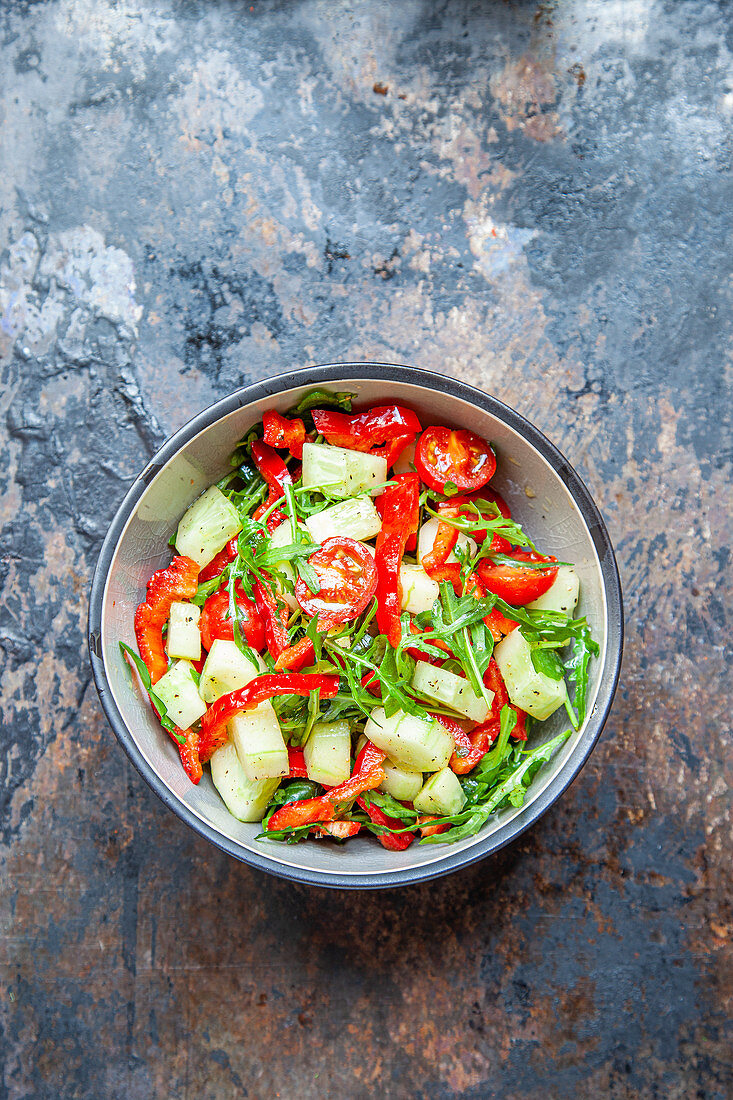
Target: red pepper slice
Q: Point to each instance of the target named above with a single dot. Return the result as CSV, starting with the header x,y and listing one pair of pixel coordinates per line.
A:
x,y
296,760
275,616
461,506
282,433
393,842
342,830
368,773
473,746
446,538
347,577
444,455
400,517
426,829
215,622
218,564
296,656
272,467
494,681
514,584
498,624
214,722
178,581
275,518
189,753
391,425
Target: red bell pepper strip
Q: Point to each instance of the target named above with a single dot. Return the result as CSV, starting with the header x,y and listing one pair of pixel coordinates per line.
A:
x,y
494,681
371,682
189,753
275,518
275,617
214,722
368,773
498,624
296,656
393,842
426,829
401,513
296,760
178,582
446,538
421,655
222,559
272,467
342,830
391,425
282,433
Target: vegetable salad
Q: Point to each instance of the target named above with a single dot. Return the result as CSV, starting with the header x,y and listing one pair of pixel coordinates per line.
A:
x,y
354,635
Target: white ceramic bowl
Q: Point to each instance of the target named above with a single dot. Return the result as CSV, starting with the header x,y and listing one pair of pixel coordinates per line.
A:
x,y
560,516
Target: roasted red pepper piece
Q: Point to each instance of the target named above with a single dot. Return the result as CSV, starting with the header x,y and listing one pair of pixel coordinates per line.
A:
x,y
342,830
189,753
296,760
218,564
272,467
214,722
446,538
178,581
275,518
421,655
393,842
372,684
426,829
494,681
368,773
391,425
498,624
296,656
400,516
282,433
275,617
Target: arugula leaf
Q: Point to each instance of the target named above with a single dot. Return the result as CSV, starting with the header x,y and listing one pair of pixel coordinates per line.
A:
x,y
390,806
158,704
208,588
317,399
547,662
576,666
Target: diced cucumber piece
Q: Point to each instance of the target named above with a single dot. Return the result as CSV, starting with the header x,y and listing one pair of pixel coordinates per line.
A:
x,y
421,744
341,472
355,519
184,637
562,595
207,526
401,782
442,794
419,591
178,691
283,536
453,691
247,800
426,541
534,692
226,669
259,743
328,753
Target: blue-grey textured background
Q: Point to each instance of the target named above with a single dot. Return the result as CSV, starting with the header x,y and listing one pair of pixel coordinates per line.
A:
x,y
533,197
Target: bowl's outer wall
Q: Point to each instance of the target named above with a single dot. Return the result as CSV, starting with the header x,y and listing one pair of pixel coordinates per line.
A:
x,y
538,488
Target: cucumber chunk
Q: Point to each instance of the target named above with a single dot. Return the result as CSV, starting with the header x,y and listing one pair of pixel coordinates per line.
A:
x,y
534,692
184,637
419,591
328,753
405,464
454,691
245,799
207,526
401,782
562,595
426,541
226,669
178,691
259,743
341,472
420,744
442,794
355,519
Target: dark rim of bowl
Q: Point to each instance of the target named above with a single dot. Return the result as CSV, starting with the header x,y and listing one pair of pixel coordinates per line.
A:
x,y
389,372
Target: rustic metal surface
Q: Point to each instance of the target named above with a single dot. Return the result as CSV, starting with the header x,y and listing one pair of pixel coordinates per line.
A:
x,y
534,198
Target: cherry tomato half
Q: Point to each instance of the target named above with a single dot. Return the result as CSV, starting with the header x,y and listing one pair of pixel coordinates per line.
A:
x,y
444,455
513,583
215,622
347,577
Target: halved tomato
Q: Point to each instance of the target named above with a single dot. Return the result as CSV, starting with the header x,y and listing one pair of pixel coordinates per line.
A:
x,y
443,455
347,577
513,583
215,622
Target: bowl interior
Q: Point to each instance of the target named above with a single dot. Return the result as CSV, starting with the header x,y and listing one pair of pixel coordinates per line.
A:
x,y
540,499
